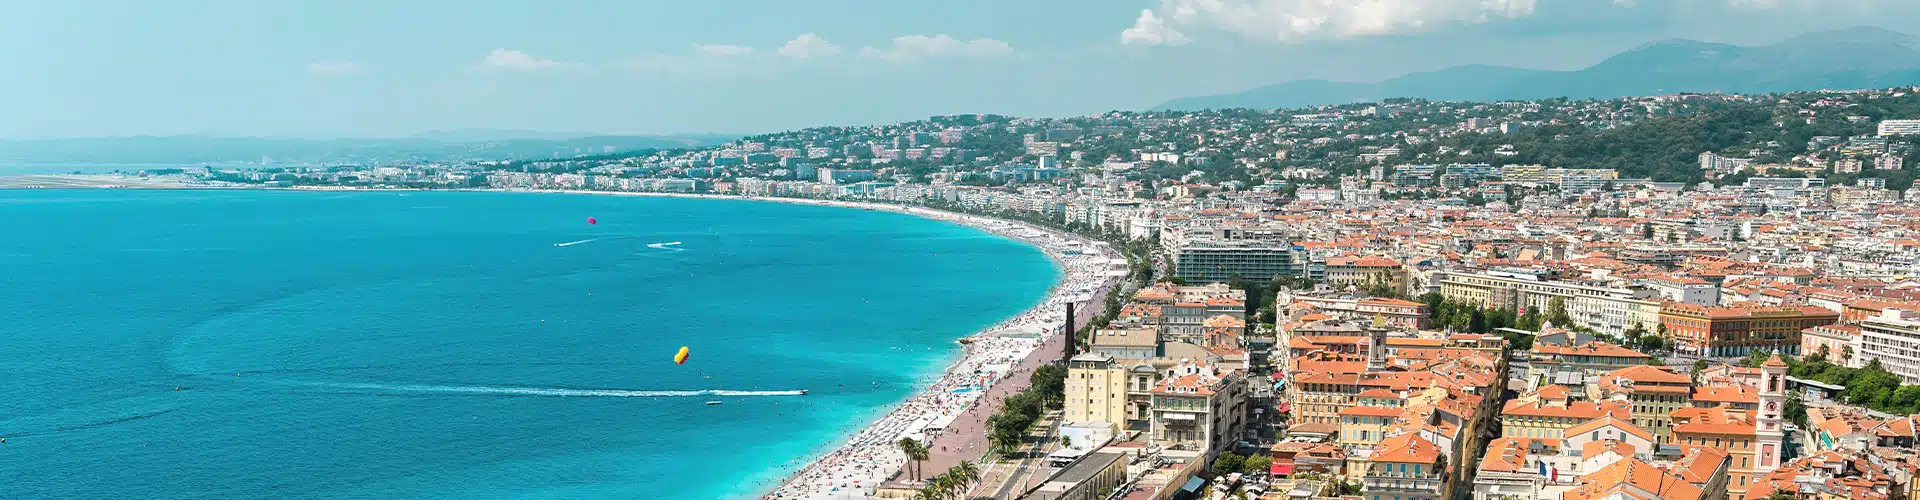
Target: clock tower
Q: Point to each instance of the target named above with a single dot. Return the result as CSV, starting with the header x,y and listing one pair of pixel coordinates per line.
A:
x,y
1769,432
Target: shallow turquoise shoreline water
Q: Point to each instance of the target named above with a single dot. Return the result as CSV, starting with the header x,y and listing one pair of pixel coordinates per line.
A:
x,y
241,344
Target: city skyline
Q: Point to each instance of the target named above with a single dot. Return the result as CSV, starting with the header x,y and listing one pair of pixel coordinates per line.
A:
x,y
363,69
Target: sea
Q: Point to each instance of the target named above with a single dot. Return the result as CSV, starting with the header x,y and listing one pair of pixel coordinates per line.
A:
x,y
276,344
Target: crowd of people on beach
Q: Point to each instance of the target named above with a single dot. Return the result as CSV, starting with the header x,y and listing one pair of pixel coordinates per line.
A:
x,y
871,455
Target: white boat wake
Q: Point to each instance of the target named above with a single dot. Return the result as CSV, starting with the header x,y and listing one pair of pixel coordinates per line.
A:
x,y
664,245
572,243
551,392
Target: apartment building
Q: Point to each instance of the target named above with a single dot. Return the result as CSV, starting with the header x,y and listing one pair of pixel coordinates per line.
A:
x,y
1096,391
1737,331
1893,339
1573,366
1405,466
1363,271
1605,309
1198,407
1653,391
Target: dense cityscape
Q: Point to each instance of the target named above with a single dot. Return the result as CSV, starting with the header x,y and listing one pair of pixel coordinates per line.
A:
x,y
1695,296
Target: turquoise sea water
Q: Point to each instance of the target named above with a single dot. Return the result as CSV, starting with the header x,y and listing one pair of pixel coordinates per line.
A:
x,y
236,344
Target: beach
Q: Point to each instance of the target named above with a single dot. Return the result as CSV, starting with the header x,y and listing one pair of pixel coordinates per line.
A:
x,y
949,414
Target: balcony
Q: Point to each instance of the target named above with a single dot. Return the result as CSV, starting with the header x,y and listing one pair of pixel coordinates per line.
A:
x,y
1397,481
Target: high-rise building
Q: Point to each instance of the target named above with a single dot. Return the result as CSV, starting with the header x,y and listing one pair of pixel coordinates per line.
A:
x,y
1220,261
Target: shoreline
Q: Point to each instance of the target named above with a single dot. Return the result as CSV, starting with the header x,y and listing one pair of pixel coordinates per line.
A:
x,y
852,465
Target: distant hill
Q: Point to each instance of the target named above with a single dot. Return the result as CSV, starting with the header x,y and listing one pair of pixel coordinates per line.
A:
x,y
435,146
1855,58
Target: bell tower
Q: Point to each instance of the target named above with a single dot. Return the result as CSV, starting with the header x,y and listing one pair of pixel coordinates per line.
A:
x,y
1769,430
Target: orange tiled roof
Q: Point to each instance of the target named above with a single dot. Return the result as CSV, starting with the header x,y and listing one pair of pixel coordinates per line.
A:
x,y
1629,475
1718,420
1405,448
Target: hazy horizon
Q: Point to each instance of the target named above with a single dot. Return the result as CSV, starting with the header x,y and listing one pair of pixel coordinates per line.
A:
x,y
373,70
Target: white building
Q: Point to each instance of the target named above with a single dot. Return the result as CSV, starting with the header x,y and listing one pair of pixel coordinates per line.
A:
x,y
1899,127
1893,337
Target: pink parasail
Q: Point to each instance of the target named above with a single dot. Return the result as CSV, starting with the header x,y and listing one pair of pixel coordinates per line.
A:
x,y
591,220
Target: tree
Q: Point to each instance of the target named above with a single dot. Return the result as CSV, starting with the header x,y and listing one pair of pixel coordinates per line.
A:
x,y
1051,382
1257,464
1699,365
1530,321
1557,312
1227,463
1066,441
915,451
1796,410
1381,285
966,471
1648,343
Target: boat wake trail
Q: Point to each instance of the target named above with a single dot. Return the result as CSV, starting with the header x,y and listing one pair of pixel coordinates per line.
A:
x,y
591,240
548,392
666,245
93,425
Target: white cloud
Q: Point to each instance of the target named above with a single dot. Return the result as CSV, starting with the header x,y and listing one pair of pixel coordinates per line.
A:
x,y
517,61
335,68
1289,20
916,47
1150,29
809,46
719,50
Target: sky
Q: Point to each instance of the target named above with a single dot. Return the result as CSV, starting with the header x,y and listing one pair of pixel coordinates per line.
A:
x,y
392,68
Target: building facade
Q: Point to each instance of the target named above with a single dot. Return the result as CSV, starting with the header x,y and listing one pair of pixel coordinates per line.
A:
x,y
1737,331
1893,339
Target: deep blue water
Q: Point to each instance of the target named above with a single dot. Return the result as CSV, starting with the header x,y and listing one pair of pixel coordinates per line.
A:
x,y
248,344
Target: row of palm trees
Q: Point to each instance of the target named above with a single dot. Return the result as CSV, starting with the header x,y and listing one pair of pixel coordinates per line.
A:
x,y
949,485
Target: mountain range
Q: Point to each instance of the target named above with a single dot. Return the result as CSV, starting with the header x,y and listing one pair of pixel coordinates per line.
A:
x,y
432,146
1856,58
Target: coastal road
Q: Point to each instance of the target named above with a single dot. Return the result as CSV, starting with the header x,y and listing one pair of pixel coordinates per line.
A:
x,y
1021,478
966,438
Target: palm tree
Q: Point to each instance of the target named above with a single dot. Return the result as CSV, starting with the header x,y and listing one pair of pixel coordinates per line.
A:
x,y
948,485
915,451
966,471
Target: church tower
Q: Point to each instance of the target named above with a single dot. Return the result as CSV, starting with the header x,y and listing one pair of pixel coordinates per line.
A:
x,y
1769,431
